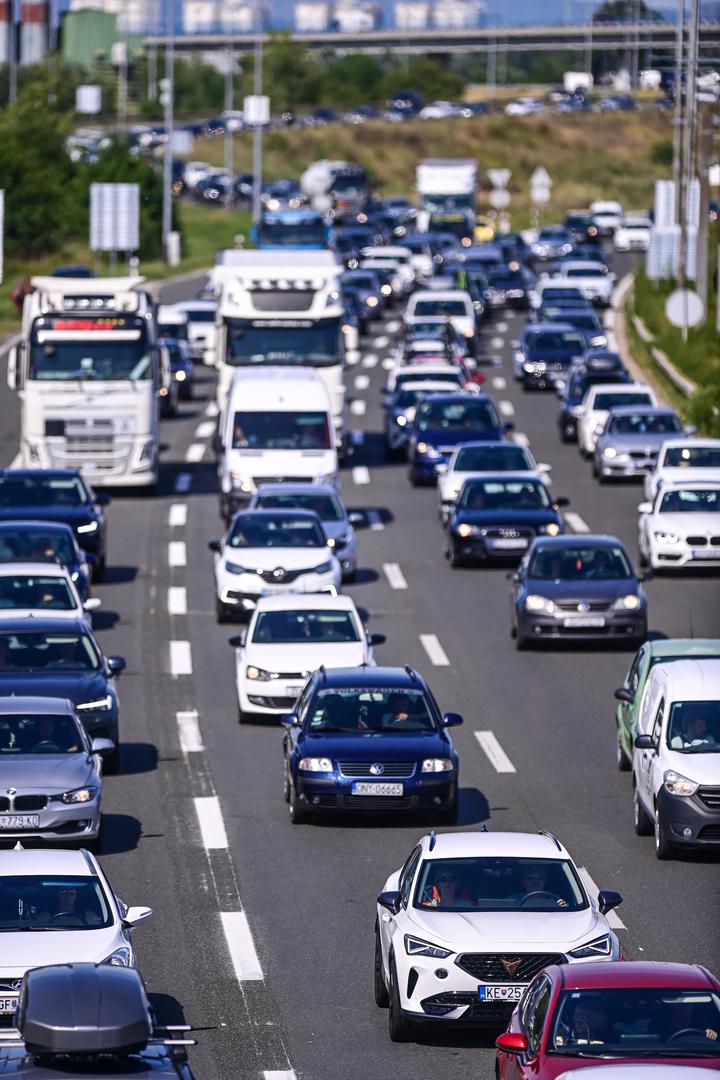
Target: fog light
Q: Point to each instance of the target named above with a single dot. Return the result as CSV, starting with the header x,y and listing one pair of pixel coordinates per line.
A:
x,y
441,973
316,800
687,832
437,800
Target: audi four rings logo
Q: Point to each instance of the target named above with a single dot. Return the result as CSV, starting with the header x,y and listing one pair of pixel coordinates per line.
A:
x,y
511,966
377,768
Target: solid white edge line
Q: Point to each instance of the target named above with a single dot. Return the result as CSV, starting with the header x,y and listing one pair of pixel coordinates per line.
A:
x,y
177,553
494,752
375,521
177,515
182,482
177,600
195,452
434,649
576,523
612,917
205,429
189,732
361,474
279,1074
506,408
180,658
395,576
210,820
241,946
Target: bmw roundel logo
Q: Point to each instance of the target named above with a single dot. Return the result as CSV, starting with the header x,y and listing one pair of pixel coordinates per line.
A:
x,y
12,791
377,768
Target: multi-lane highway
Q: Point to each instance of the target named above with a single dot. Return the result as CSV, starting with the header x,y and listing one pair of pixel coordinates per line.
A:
x,y
263,931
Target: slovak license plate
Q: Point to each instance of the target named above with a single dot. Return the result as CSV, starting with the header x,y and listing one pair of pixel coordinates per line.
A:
x,y
8,1005
510,545
363,788
19,821
585,620
508,992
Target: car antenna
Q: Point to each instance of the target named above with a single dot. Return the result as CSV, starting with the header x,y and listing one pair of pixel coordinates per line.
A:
x,y
18,847
431,845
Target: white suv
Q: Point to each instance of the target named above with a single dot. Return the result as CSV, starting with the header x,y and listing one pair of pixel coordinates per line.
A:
x,y
683,460
470,920
681,527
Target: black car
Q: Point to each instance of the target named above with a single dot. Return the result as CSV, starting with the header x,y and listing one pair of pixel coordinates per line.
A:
x,y
369,739
594,369
578,588
444,421
369,286
58,495
46,541
510,288
91,1020
514,247
498,516
61,658
349,241
546,353
582,227
181,365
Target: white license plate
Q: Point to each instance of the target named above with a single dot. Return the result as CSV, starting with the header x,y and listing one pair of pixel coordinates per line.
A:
x,y
585,620
8,1004
705,553
510,992
510,545
19,821
376,789
294,691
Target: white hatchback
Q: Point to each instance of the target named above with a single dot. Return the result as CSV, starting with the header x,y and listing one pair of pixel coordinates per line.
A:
x,y
597,404
683,461
681,527
288,638
43,590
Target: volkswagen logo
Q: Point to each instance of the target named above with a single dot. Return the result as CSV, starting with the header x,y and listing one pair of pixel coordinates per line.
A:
x,y
583,607
377,768
278,573
12,791
511,966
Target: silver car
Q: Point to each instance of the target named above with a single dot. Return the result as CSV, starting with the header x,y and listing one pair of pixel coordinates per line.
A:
x,y
631,439
50,772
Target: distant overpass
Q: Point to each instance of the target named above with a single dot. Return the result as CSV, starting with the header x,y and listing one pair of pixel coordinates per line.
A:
x,y
563,37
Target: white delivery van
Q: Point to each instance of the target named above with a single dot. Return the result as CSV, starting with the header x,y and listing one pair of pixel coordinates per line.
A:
x,y
276,427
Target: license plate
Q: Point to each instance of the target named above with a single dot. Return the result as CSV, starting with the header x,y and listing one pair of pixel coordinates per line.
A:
x,y
8,1004
705,553
294,691
510,545
377,789
19,821
585,620
510,992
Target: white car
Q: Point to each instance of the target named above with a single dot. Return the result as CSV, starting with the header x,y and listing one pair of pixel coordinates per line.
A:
x,y
597,404
451,376
524,106
288,638
633,234
681,461
470,920
272,551
194,172
593,279
66,894
42,590
473,459
452,304
400,258
681,527
607,215
200,327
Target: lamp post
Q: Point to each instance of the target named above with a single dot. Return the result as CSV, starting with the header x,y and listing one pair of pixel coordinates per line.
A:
x,y
167,95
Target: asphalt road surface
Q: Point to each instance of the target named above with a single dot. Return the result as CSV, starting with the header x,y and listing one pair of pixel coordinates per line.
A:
x,y
263,932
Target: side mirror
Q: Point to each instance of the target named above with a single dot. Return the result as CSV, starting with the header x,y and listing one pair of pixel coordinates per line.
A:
x,y
377,639
644,508
512,1042
92,603
390,901
514,576
623,694
644,742
134,916
607,900
356,517
543,468
89,558
562,501
103,499
116,664
289,720
598,430
508,426
215,545
452,719
13,368
690,429
102,746
237,642
646,575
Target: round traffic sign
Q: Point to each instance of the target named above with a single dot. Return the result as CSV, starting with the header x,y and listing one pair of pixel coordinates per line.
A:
x,y
684,307
499,198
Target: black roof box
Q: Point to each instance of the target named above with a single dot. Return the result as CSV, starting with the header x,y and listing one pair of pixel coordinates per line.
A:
x,y
83,1009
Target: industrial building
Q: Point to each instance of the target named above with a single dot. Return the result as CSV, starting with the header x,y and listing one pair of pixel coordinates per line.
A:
x,y
133,16
347,16
439,14
223,16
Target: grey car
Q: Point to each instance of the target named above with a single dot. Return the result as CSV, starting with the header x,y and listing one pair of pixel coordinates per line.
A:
x,y
325,501
631,440
50,772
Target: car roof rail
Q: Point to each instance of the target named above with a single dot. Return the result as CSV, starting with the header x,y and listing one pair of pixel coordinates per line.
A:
x,y
88,859
323,672
411,672
432,841
551,836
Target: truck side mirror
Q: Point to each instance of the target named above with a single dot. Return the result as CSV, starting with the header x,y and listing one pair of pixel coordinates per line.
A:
x,y
14,373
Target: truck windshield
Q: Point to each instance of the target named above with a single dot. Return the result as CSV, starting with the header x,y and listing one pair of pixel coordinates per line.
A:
x,y
294,343
441,203
99,350
292,233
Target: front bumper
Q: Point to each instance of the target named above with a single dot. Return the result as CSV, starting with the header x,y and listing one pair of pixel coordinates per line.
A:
x,y
691,822
432,792
274,697
489,549
620,467
241,592
423,469
628,626
56,822
680,555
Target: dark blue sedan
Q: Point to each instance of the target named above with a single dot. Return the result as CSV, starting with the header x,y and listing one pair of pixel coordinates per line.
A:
x,y
46,541
444,421
369,739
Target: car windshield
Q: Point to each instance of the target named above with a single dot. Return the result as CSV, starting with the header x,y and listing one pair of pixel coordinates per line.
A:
x,y
692,457
606,402
261,530
553,233
451,377
305,627
440,307
327,507
42,491
457,415
583,320
364,282
690,501
499,884
579,563
176,331
198,315
30,544
286,343
694,727
39,651
308,430
504,495
49,902
584,271
46,733
636,1022
376,709
293,233
35,591
562,341
505,458
644,424
503,278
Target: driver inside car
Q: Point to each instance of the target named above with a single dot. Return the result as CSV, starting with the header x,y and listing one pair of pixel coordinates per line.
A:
x,y
448,891
69,907
532,882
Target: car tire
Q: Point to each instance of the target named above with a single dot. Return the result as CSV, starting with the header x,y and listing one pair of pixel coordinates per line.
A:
x,y
111,761
399,1027
643,823
522,643
664,848
382,998
298,813
449,814
222,614
621,757
453,557
286,782
99,568
350,578
243,717
414,479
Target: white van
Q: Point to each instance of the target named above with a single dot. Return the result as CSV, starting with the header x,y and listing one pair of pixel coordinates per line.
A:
x,y
277,427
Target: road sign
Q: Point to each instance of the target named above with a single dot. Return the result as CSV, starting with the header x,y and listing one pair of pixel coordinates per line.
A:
x,y
88,100
540,177
540,195
256,110
499,198
114,217
499,177
714,175
684,307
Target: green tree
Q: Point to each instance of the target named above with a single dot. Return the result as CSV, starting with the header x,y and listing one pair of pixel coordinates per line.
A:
x,y
426,75
291,75
626,11
352,79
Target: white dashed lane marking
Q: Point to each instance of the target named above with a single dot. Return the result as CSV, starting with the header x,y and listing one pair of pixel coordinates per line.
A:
x,y
195,452
434,649
497,342
189,732
177,515
210,820
241,947
393,326
205,430
361,382
361,474
576,523
612,916
358,407
501,327
177,553
370,361
498,382
388,363
182,482
177,600
494,752
395,576
279,1074
211,409
381,342
180,658
506,408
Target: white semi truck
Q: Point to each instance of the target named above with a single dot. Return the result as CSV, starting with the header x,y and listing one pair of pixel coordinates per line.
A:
x,y
446,187
90,374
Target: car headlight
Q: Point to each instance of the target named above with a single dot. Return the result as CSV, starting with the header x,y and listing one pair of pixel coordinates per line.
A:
x,y
598,341
631,602
242,483
601,946
315,764
180,376
609,452
464,530
119,958
533,602
468,333
666,537
428,450
99,703
437,764
79,795
415,946
551,529
401,420
253,672
677,784
90,527
372,301
324,568
75,576
386,290
236,568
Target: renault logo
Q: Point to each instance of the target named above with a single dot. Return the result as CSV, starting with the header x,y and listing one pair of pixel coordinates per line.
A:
x,y
511,966
377,768
278,573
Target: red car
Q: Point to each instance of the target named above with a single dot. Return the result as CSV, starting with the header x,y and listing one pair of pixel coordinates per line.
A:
x,y
575,1015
